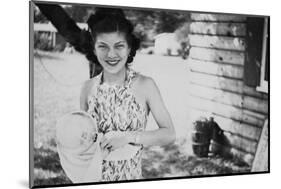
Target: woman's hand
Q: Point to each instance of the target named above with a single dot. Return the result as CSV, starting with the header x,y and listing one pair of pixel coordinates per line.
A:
x,y
114,142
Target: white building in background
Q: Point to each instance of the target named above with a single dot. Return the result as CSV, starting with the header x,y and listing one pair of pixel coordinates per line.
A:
x,y
166,44
51,31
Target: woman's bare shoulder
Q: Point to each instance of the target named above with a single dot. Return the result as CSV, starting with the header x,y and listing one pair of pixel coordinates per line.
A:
x,y
148,88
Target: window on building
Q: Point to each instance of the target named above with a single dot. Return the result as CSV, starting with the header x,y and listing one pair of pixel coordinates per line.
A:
x,y
256,73
263,85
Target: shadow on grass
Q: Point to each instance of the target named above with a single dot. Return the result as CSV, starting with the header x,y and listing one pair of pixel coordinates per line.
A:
x,y
169,161
47,168
47,159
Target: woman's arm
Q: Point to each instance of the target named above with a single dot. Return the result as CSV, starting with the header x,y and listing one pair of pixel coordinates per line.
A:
x,y
166,133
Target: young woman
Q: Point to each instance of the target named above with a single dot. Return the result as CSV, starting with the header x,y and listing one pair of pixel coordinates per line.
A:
x,y
120,99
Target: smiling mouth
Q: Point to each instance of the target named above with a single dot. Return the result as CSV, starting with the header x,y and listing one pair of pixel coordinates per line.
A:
x,y
112,62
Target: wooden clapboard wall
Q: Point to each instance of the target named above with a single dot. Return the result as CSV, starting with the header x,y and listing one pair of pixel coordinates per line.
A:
x,y
216,62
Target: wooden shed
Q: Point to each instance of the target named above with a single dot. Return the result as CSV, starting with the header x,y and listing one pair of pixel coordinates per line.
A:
x,y
228,64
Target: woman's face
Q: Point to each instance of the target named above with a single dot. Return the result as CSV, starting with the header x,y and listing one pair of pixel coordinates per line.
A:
x,y
112,51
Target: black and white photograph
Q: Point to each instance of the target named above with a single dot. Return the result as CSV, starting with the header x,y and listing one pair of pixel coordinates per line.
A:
x,y
125,94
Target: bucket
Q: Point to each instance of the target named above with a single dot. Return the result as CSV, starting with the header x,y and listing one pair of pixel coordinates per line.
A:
x,y
201,149
201,136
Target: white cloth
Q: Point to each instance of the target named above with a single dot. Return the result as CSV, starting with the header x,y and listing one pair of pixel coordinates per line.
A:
x,y
80,154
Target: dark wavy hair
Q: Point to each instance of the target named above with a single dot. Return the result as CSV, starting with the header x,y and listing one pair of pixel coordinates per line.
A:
x,y
106,20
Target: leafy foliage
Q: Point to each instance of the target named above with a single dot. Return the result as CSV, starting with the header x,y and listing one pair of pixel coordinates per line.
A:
x,y
79,13
147,22
38,16
170,21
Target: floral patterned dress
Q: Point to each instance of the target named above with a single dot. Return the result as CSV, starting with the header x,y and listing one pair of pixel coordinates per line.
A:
x,y
115,108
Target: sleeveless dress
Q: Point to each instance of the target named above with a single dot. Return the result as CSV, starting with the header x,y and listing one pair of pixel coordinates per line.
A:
x,y
115,109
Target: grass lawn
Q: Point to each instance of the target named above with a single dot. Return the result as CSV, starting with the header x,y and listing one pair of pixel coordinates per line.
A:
x,y
57,82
